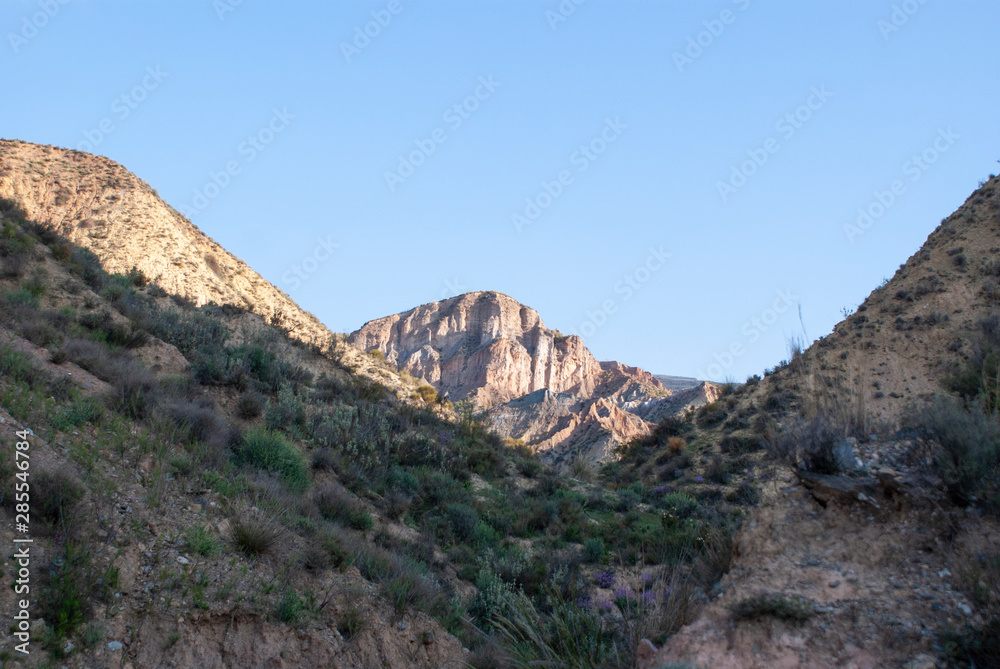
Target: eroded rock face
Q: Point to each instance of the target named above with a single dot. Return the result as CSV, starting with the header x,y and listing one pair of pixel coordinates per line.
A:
x,y
536,385
484,346
561,427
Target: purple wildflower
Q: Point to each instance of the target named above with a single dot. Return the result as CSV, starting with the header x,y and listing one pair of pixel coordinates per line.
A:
x,y
699,479
605,579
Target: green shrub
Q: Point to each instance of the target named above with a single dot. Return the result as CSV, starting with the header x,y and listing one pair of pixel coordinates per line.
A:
x,y
627,499
200,540
125,336
814,445
326,550
361,520
967,441
493,600
79,412
745,494
973,646
979,377
55,496
350,623
681,504
401,591
288,414
250,405
291,607
594,550
427,393
463,519
21,297
18,366
711,414
271,452
485,535
739,444
68,585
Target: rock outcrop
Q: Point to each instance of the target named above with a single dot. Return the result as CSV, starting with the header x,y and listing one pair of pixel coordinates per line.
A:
x,y
483,346
678,402
534,384
561,427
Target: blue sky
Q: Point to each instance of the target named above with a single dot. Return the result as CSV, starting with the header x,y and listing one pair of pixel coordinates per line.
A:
x,y
671,180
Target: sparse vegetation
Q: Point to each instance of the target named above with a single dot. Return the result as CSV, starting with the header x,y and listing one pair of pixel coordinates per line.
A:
x,y
201,541
966,447
254,533
778,606
813,445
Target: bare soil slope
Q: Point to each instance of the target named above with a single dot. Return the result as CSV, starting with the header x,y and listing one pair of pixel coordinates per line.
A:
x,y
100,205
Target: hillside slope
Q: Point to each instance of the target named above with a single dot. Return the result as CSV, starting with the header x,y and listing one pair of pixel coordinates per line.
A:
x,y
208,492
884,558
100,205
97,203
917,330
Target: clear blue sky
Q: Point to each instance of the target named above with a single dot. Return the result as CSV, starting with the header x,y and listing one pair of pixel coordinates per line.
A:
x,y
673,129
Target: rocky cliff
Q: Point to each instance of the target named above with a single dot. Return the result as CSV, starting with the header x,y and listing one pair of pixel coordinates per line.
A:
x,y
537,385
484,346
561,427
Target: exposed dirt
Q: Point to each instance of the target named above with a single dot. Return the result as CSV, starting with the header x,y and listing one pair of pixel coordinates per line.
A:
x,y
882,582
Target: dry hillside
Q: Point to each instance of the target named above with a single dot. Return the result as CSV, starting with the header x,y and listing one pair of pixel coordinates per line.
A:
x,y
876,543
911,333
97,203
100,205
